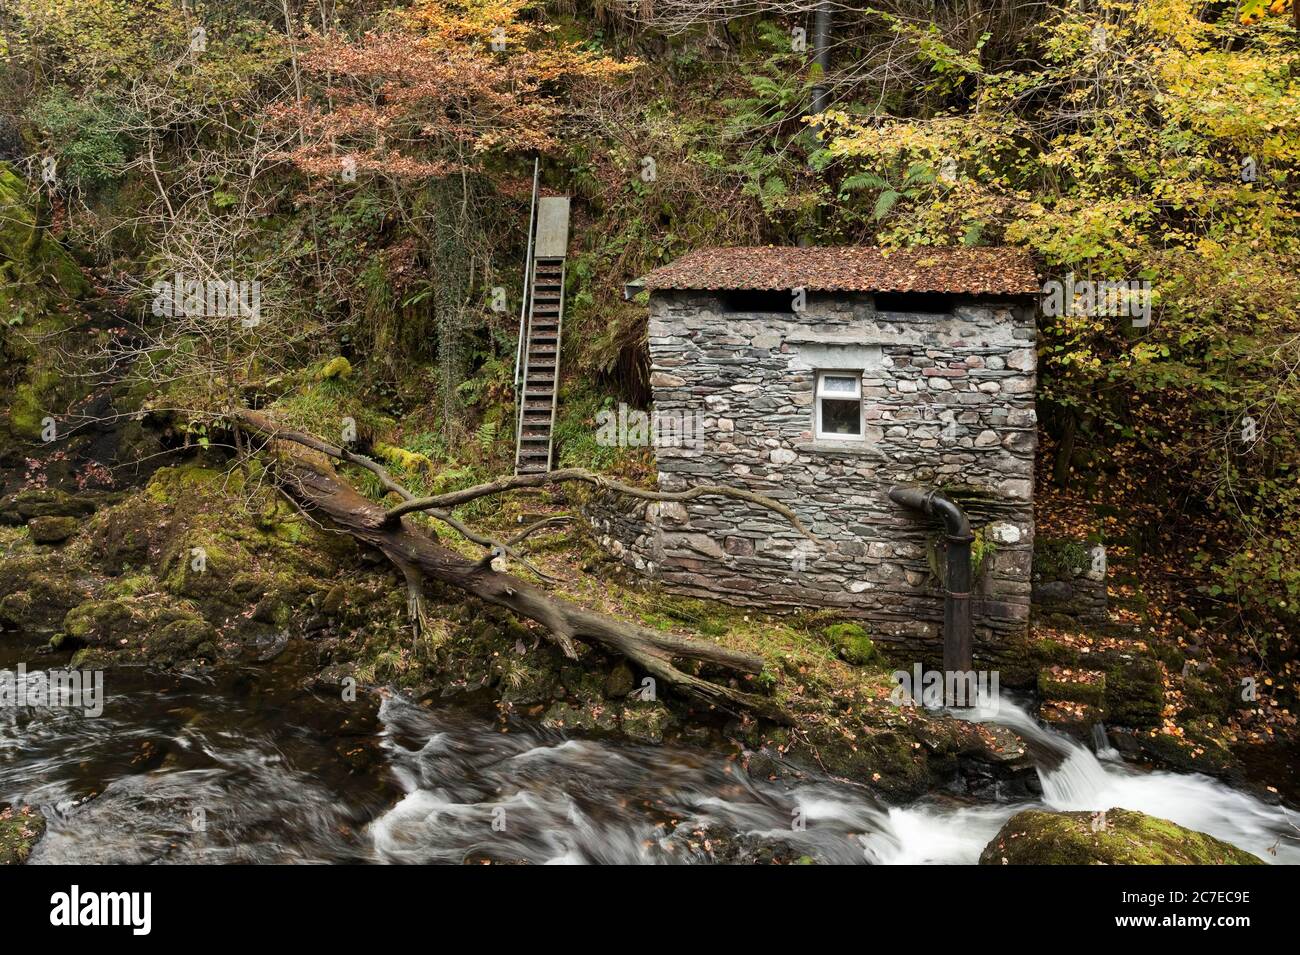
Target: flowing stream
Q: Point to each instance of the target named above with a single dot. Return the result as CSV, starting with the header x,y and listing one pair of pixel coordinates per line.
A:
x,y
247,766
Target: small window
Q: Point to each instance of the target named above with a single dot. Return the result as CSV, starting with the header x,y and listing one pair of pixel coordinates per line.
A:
x,y
839,405
779,301
925,303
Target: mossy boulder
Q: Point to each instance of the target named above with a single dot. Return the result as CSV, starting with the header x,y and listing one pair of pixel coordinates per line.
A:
x,y
582,683
646,722
22,507
338,367
333,601
187,483
124,537
101,621
36,274
1051,652
1116,837
1200,749
20,829
1209,693
620,682
38,590
591,718
852,643
38,281
51,530
182,640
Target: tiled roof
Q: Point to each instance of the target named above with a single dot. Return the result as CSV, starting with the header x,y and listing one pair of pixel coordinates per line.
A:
x,y
986,271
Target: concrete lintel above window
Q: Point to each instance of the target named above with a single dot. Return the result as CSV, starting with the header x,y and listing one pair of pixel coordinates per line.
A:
x,y
806,337
833,355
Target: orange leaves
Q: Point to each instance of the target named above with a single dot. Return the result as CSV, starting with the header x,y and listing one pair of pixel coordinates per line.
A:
x,y
1253,11
441,85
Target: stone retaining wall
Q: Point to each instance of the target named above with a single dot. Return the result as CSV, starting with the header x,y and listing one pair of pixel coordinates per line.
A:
x,y
1069,577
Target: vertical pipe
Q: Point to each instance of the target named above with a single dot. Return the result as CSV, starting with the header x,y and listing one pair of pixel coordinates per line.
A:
x,y
958,649
821,55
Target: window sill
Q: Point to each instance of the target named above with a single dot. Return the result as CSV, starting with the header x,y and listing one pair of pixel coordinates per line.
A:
x,y
858,448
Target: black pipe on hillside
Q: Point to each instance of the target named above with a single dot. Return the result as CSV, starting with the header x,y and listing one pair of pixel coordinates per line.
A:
x,y
957,643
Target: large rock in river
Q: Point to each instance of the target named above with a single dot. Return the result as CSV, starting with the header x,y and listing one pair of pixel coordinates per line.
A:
x,y
1115,837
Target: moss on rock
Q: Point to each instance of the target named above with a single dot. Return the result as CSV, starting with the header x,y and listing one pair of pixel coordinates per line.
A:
x,y
51,530
338,367
100,621
1116,837
1135,694
1074,686
646,722
23,506
37,591
852,643
20,830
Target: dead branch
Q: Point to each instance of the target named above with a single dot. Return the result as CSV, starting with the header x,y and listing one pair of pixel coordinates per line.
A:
x,y
312,484
518,481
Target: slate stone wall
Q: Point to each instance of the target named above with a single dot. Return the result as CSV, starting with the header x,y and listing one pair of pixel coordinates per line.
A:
x,y
948,401
1069,578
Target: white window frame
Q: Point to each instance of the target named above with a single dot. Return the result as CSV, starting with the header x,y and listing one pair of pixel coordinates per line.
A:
x,y
818,395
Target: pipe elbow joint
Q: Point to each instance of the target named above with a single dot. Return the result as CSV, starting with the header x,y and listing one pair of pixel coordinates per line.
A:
x,y
935,503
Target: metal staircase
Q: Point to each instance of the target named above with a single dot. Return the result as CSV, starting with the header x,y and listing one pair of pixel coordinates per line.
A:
x,y
542,333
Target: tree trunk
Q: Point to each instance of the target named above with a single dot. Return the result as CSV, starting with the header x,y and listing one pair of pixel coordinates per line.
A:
x,y
310,482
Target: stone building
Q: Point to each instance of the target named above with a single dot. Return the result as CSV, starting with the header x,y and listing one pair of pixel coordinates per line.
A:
x,y
821,378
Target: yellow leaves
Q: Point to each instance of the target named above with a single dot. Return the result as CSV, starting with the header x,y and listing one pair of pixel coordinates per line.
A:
x,y
1177,20
93,39
887,140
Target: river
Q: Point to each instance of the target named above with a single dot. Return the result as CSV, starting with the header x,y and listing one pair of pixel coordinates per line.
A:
x,y
250,765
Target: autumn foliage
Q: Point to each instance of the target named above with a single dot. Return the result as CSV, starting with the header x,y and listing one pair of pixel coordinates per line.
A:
x,y
438,87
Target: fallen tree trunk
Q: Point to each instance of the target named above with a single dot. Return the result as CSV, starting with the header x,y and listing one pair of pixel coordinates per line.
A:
x,y
309,480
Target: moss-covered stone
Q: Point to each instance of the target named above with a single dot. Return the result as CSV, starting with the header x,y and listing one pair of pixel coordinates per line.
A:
x,y
1051,651
852,643
332,603
37,591
20,830
51,530
646,722
100,621
1208,694
582,683
25,505
588,718
338,367
1074,686
1135,694
182,640
1196,751
1116,837
180,485
35,271
620,682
